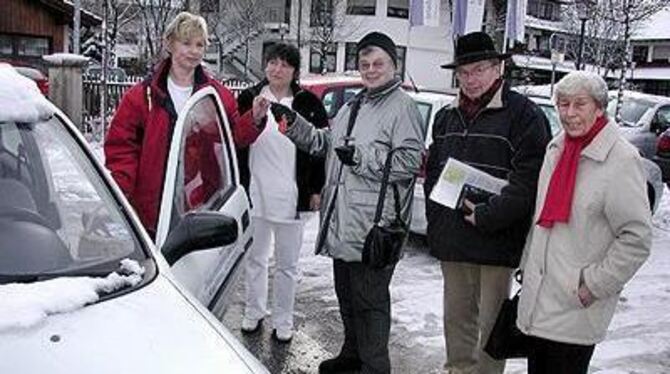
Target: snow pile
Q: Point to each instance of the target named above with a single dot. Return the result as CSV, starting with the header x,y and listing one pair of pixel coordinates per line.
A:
x,y
20,99
25,305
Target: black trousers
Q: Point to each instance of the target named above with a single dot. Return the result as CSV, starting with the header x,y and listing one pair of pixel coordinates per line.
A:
x,y
365,308
550,357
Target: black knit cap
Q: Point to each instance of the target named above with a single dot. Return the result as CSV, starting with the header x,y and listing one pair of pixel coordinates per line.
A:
x,y
380,40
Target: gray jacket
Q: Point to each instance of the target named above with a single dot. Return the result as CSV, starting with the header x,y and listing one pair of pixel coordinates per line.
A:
x,y
387,119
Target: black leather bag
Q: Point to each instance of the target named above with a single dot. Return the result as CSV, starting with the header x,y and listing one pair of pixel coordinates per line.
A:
x,y
383,244
506,340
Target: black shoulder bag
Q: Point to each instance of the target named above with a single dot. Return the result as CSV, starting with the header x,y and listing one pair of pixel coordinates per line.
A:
x,y
383,244
505,339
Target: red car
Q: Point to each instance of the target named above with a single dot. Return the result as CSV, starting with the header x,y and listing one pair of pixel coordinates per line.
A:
x,y
333,90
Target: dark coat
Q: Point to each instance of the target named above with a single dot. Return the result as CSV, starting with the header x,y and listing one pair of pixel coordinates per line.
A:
x,y
507,139
310,170
137,144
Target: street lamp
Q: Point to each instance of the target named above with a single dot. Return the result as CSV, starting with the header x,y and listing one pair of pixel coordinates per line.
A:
x,y
583,10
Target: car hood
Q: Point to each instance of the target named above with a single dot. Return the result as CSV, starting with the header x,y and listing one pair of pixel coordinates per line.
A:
x,y
152,330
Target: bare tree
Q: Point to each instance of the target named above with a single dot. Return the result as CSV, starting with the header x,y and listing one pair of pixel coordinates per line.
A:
x,y
234,25
120,14
328,23
608,31
156,15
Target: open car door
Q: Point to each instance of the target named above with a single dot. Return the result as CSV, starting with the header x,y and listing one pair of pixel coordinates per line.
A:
x,y
202,176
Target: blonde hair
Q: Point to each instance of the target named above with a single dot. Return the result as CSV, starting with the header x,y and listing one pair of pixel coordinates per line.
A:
x,y
186,26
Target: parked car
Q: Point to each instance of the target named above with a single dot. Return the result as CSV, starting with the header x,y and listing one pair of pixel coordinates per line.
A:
x,y
64,223
34,74
643,118
333,90
429,103
652,171
662,157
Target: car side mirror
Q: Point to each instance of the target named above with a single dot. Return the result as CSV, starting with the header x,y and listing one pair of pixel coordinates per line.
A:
x,y
197,231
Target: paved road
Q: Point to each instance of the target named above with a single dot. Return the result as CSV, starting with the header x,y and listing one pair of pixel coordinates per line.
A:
x,y
318,333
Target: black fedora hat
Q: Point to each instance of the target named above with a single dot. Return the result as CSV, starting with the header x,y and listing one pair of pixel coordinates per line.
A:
x,y
473,47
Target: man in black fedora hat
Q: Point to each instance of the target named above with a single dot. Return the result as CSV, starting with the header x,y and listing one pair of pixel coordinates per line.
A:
x,y
504,134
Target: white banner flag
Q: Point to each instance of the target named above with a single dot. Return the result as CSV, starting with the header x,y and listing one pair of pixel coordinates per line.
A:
x,y
425,13
475,16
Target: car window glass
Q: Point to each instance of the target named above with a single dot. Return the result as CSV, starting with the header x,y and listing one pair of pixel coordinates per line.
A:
x,y
330,103
203,171
55,206
552,116
664,114
631,111
425,110
349,93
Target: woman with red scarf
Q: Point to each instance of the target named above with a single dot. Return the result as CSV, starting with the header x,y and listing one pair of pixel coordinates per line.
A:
x,y
591,232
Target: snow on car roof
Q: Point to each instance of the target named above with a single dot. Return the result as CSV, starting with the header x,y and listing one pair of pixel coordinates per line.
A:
x,y
20,99
27,304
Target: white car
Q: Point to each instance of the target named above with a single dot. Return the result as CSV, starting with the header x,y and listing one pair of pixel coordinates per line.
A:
x,y
83,288
643,118
430,103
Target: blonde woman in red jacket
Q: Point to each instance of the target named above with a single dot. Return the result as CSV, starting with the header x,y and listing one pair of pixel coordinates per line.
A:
x,y
136,147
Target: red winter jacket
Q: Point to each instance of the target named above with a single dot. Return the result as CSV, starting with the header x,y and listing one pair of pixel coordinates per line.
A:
x,y
137,144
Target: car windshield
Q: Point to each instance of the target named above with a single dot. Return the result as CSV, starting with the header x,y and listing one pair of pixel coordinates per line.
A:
x,y
57,216
632,110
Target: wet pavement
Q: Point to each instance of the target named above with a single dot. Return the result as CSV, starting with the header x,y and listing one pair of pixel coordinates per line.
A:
x,y
318,333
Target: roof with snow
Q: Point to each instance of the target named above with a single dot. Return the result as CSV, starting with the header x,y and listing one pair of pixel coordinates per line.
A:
x,y
655,28
66,8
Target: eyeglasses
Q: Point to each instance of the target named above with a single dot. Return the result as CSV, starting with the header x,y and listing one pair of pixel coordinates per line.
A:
x,y
476,72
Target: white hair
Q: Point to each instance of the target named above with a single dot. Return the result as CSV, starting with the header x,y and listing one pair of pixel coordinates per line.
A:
x,y
576,81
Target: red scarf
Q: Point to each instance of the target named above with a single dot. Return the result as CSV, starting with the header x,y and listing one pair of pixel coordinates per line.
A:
x,y
558,202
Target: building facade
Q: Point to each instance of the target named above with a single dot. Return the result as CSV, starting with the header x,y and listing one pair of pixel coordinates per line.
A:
x,y
327,31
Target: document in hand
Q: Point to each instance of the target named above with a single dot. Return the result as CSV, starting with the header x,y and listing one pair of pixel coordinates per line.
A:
x,y
457,176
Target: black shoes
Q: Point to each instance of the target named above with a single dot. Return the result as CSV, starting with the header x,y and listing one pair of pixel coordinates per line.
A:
x,y
282,336
340,364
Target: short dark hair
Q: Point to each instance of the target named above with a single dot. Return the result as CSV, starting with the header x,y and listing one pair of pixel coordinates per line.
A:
x,y
286,52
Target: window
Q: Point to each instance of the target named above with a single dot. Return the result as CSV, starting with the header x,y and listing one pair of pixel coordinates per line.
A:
x,y
321,13
361,7
330,103
44,172
6,45
203,175
400,69
398,8
544,9
35,47
640,53
319,64
351,59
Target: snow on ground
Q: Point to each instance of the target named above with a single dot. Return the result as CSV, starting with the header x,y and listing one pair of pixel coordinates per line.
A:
x,y
638,340
27,304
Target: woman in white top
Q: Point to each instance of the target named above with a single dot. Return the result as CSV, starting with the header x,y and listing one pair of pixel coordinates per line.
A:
x,y
282,182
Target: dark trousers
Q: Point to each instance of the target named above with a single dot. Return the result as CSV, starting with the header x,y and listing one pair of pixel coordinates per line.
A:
x,y
550,357
365,307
